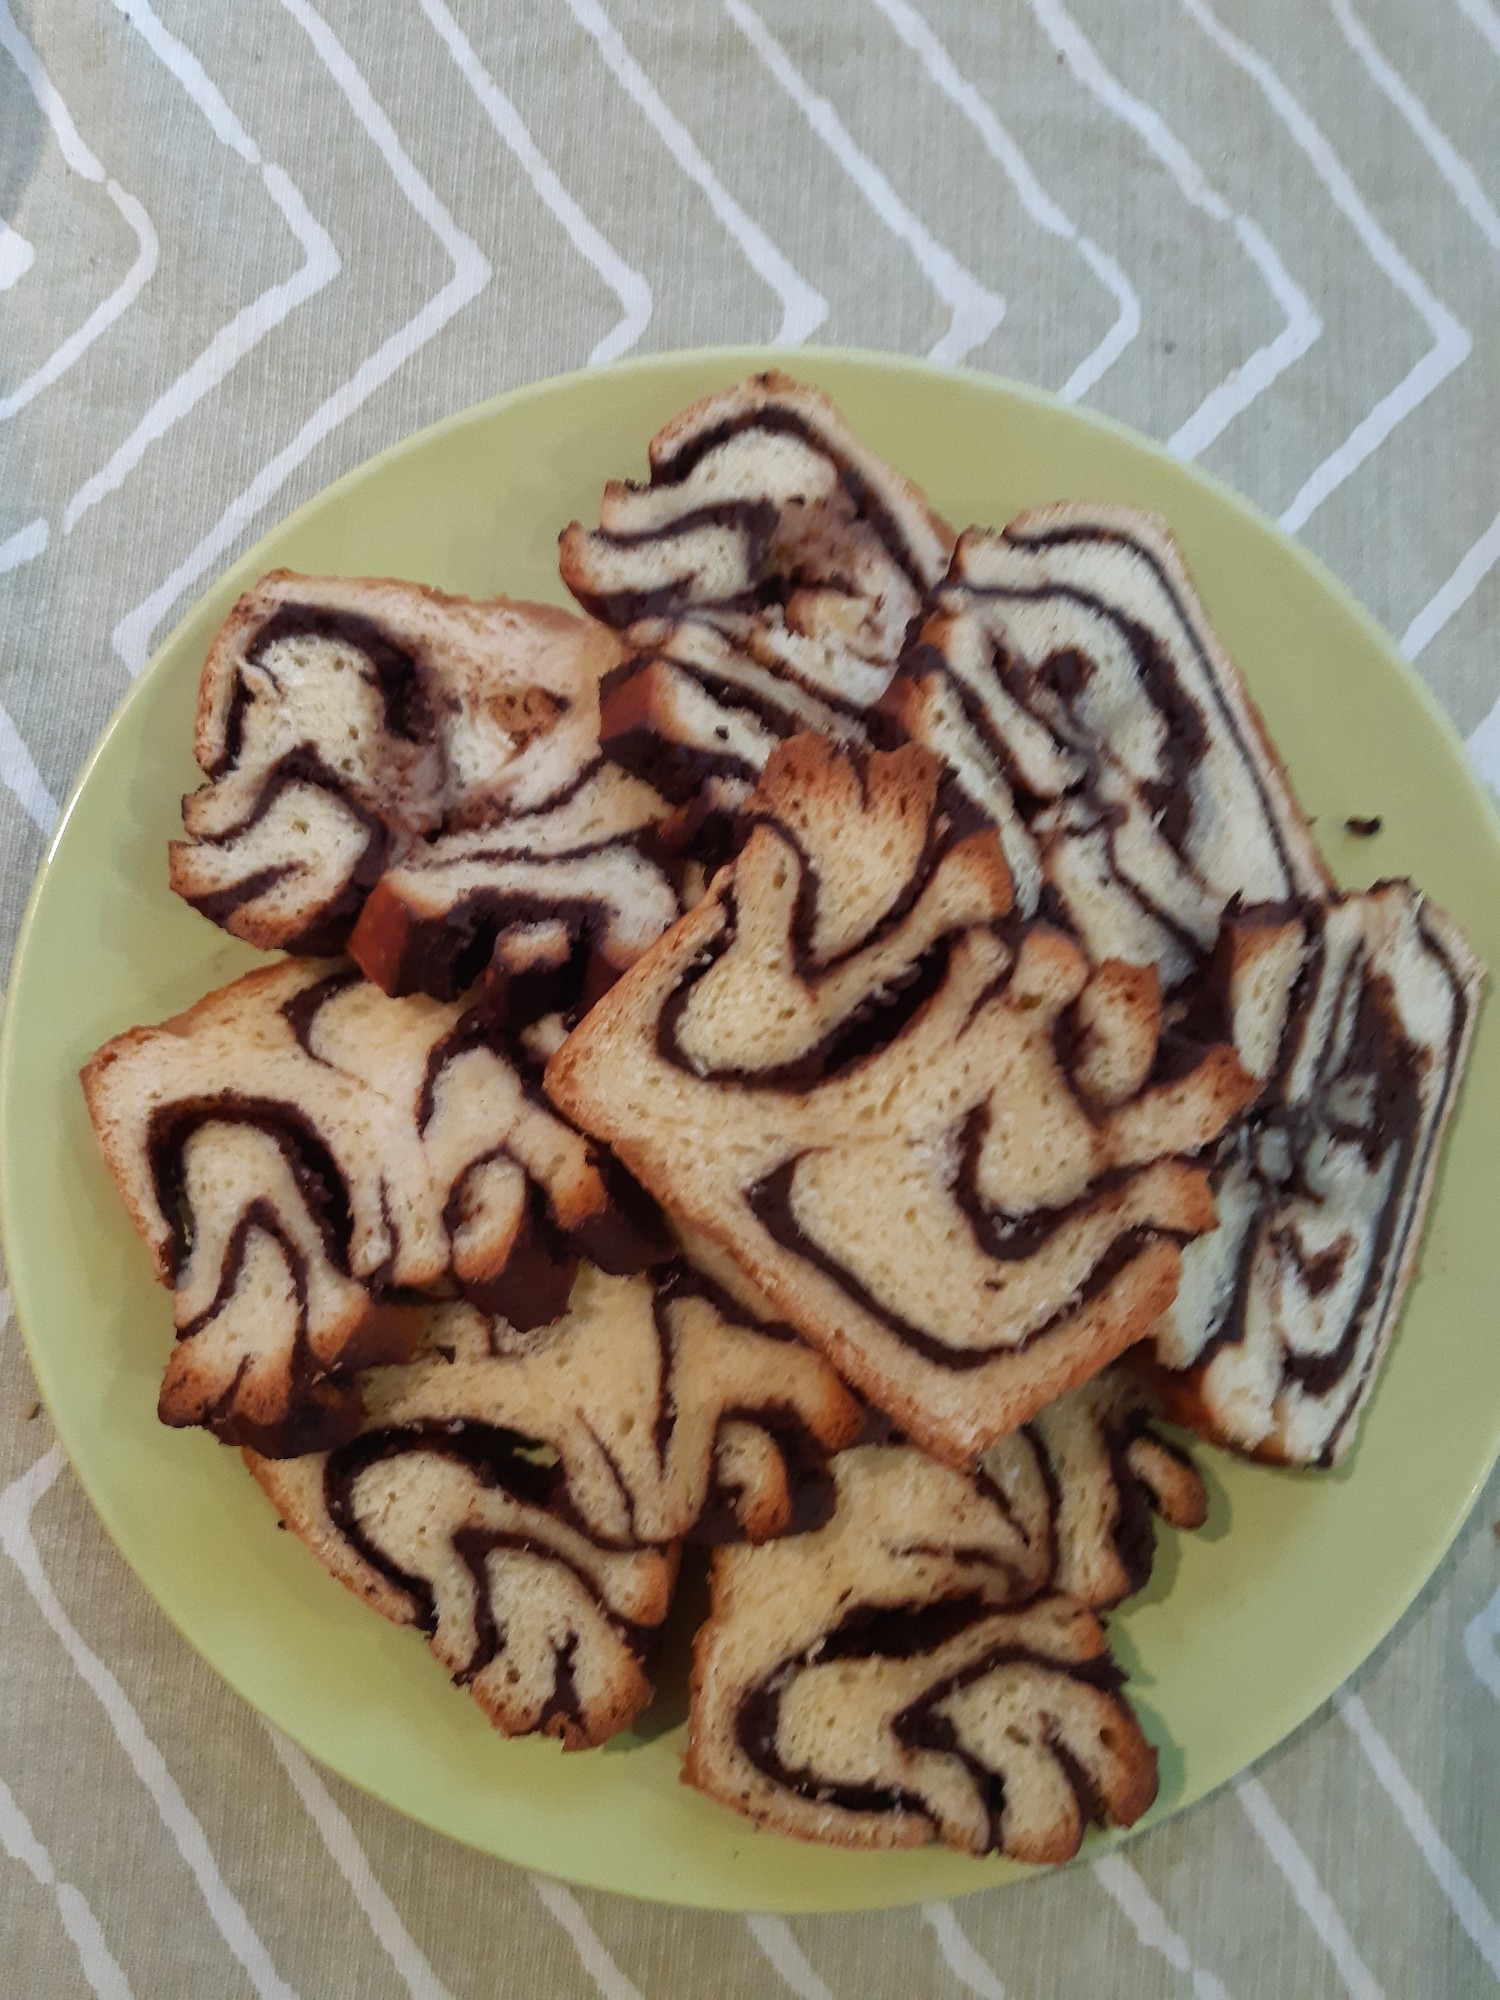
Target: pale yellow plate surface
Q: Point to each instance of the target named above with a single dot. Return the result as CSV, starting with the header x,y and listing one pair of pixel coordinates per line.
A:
x,y
1246,1627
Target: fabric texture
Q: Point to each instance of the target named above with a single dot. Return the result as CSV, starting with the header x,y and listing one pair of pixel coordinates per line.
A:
x,y
243,247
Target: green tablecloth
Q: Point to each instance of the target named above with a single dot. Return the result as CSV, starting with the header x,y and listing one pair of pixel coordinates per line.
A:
x,y
241,247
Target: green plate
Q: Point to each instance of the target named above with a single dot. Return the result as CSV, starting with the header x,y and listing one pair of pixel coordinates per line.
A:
x,y
1246,1627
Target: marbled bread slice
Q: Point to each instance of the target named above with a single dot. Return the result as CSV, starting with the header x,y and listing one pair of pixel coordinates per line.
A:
x,y
851,1070
1359,1010
521,1496
1071,680
892,1679
302,1155
449,1529
766,516
639,1394
549,906
764,579
346,724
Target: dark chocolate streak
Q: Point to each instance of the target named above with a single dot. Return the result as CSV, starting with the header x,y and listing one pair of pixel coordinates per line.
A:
x,y
317,1413
1378,1048
1012,1239
327,929
754,519
1395,1249
318,1179
871,1027
1133,1530
408,711
501,1458
532,1287
769,1200
301,1012
634,739
443,955
906,1632
809,1483
1059,536
1184,740
867,503
875,1022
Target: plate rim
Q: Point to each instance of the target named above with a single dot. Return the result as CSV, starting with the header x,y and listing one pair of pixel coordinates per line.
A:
x,y
737,359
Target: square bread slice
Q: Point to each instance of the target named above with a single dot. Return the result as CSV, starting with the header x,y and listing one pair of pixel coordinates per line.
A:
x,y
929,1135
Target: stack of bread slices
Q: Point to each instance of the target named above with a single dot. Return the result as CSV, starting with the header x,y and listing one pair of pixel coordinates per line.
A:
x,y
817,1057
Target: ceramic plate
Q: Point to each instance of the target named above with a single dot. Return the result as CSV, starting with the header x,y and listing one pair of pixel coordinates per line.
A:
x,y
1245,1628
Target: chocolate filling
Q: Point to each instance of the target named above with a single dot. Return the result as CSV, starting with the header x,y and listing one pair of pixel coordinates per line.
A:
x,y
904,1632
397,673
770,1202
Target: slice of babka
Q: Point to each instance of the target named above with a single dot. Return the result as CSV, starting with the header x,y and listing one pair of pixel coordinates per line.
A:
x,y
904,1115
303,1155
520,1496
895,1678
1359,1009
1071,681
765,579
351,727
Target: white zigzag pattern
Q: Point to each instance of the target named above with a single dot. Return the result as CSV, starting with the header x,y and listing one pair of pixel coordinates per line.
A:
x,y
1150,1925
471,273
962,1960
1039,205
17,1504
17,256
1485,18
628,285
1473,567
1450,341
96,1961
24,545
565,1907
1240,387
347,1855
1464,1899
87,167
23,780
803,308
231,344
775,1939
1482,1645
1313,1899
975,311
1454,169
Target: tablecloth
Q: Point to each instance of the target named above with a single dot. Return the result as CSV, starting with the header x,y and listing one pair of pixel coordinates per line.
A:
x,y
242,247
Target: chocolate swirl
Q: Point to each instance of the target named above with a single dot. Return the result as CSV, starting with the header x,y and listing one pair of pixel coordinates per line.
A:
x,y
1071,681
853,1026
357,734
1321,1195
300,1140
765,579
901,1676
521,1498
